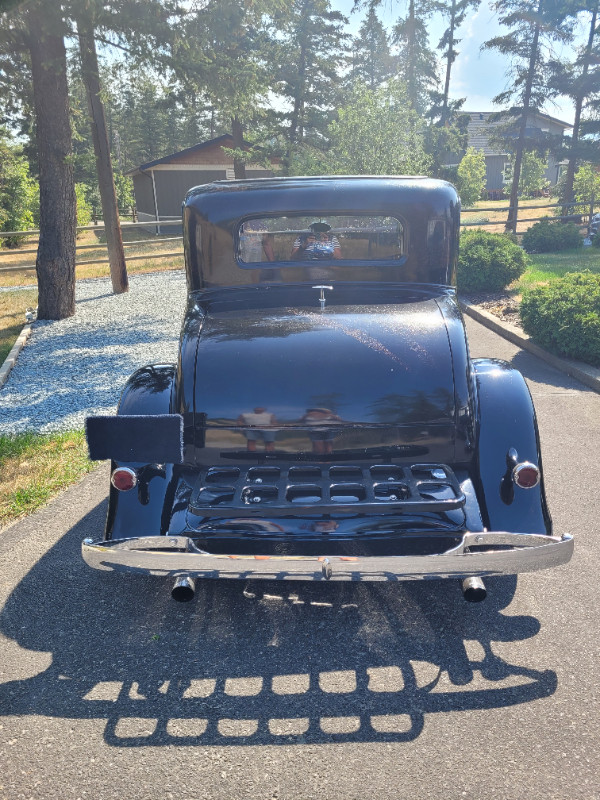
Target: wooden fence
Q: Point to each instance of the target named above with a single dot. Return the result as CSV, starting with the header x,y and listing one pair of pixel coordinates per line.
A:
x,y
581,213
162,222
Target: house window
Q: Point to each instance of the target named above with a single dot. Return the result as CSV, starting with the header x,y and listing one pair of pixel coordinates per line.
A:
x,y
507,172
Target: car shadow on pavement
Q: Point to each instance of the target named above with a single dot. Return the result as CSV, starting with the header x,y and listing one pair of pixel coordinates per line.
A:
x,y
258,662
537,371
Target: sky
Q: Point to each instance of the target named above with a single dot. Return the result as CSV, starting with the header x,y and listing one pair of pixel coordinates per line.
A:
x,y
477,75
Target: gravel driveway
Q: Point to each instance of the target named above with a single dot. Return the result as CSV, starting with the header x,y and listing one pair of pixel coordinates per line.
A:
x,y
76,367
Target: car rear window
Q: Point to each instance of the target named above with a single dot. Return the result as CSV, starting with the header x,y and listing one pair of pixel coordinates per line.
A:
x,y
309,239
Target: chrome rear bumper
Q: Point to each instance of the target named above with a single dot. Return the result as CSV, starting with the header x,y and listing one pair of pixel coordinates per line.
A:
x,y
173,555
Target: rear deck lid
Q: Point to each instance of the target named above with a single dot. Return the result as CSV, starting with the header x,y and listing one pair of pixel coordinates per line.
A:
x,y
288,378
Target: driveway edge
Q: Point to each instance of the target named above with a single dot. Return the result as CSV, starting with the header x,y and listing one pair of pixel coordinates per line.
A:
x,y
588,375
11,358
82,495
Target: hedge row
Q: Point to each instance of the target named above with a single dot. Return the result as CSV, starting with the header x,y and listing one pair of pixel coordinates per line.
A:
x,y
564,316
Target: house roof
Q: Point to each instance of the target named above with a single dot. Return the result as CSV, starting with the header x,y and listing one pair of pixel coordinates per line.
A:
x,y
480,128
225,140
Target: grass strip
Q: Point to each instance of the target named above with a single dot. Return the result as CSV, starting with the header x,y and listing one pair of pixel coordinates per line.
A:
x,y
35,467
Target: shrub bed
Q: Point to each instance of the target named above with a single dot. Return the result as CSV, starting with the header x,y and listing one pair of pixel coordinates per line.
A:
x,y
551,237
564,316
488,262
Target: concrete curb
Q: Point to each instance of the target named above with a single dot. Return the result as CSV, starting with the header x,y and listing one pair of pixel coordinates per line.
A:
x,y
588,375
11,358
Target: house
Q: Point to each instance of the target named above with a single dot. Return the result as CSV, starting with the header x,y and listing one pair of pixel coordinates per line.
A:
x,y
161,185
498,164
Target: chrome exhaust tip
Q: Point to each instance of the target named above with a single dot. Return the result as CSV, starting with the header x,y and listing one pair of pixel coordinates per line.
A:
x,y
184,589
473,590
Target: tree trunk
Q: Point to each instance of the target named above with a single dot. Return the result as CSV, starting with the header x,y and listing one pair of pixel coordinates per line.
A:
x,y
106,183
511,222
568,195
411,49
449,61
239,166
55,262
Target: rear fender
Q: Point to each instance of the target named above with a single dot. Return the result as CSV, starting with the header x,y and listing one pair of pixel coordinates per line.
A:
x,y
144,510
148,390
505,418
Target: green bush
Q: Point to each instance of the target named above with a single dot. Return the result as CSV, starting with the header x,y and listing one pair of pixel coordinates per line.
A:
x,y
471,176
550,237
18,193
533,174
488,262
84,209
124,191
564,316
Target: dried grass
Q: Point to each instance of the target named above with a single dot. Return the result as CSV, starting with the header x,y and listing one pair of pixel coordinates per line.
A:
x,y
36,467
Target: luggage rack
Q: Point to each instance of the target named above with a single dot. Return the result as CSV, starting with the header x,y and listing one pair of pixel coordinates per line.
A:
x,y
289,490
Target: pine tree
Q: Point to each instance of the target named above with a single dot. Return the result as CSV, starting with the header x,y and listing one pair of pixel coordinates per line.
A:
x,y
310,56
531,28
224,51
455,11
417,64
55,262
581,82
371,59
33,78
90,71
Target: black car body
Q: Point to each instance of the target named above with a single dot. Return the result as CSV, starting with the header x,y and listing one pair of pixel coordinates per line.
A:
x,y
324,419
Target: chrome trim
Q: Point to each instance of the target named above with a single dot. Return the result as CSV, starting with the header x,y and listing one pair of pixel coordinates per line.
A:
x,y
170,555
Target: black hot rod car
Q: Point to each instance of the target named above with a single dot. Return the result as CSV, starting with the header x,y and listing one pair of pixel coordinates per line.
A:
x,y
324,419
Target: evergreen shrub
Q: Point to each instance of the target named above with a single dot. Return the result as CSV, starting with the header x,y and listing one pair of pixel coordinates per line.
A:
x,y
488,261
564,316
550,237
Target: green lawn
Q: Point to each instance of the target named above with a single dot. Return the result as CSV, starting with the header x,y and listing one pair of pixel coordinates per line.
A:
x,y
546,267
34,467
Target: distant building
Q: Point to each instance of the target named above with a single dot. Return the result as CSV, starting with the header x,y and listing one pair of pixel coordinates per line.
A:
x,y
161,185
498,164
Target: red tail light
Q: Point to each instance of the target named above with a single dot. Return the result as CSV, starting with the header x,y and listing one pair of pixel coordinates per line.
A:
x,y
526,475
123,479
